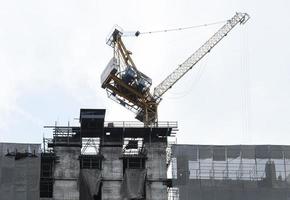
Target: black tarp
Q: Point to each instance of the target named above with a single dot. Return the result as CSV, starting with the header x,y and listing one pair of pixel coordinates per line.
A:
x,y
262,152
205,152
248,151
276,152
219,153
188,151
133,184
233,151
90,180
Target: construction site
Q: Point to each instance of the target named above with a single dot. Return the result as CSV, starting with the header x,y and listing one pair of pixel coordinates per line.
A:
x,y
130,160
127,160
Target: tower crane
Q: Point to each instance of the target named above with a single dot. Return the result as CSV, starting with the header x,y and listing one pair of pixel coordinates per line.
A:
x,y
129,87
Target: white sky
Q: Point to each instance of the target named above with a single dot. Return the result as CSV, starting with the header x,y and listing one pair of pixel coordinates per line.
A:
x,y
53,52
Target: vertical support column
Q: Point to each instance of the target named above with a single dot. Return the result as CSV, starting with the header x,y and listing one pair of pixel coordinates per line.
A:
x,y
112,172
284,162
156,188
227,163
66,173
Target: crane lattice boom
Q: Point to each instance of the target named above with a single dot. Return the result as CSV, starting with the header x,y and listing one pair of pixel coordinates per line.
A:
x,y
129,87
199,54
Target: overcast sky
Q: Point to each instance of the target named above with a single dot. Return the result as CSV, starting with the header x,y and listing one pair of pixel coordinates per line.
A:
x,y
53,52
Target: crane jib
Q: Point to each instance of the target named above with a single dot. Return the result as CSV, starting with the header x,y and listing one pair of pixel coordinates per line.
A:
x,y
177,74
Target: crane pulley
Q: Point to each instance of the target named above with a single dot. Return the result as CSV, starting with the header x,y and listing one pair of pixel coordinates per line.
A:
x,y
129,87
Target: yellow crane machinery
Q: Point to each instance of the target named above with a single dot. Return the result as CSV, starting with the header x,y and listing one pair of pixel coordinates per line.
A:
x,y
129,87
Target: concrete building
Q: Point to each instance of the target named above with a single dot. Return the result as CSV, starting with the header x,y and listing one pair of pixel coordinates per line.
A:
x,y
101,160
106,160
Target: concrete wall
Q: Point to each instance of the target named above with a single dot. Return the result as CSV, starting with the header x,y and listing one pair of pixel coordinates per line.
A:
x,y
156,191
19,179
66,173
156,171
112,173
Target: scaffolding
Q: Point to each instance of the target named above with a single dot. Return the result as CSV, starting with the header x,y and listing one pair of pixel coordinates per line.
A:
x,y
64,136
136,124
173,193
230,162
239,168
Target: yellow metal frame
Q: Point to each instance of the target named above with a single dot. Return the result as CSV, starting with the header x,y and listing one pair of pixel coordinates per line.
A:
x,y
142,103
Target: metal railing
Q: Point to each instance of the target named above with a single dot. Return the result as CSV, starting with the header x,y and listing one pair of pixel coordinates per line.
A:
x,y
136,124
232,171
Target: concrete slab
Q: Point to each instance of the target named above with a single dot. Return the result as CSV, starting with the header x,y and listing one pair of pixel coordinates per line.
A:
x,y
112,165
156,161
66,173
156,191
111,190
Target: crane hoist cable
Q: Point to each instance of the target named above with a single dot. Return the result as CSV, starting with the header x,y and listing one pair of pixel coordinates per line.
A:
x,y
137,33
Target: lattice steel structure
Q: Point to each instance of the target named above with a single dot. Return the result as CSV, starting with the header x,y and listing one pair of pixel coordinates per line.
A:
x,y
129,87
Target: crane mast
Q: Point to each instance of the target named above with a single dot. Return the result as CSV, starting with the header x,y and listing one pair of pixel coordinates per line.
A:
x,y
199,54
129,87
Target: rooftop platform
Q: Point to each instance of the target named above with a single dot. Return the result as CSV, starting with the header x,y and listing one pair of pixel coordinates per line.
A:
x,y
124,128
93,125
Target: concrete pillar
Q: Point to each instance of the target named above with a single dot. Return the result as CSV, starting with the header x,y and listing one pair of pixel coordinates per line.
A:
x,y
66,173
112,173
156,171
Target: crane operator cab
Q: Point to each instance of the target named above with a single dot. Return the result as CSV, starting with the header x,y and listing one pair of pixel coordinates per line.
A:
x,y
136,79
129,75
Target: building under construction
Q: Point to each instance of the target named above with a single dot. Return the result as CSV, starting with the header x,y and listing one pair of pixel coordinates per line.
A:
x,y
100,160
125,160
96,160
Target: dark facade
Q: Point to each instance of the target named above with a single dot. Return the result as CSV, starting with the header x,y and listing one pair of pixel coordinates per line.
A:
x,y
19,171
237,172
